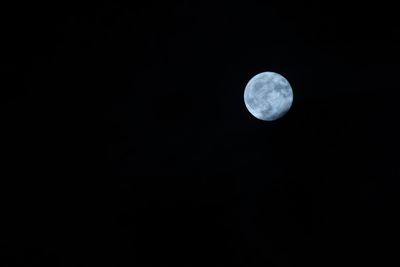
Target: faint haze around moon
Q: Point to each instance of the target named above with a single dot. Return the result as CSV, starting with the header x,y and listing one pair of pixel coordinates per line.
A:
x,y
268,96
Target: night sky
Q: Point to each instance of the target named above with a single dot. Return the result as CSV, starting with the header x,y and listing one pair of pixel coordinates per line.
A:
x,y
127,141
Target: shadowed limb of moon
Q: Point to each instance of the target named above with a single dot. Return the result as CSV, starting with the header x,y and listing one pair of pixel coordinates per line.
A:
x,y
268,96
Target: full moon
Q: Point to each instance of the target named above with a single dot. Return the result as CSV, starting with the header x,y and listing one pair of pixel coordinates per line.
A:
x,y
268,96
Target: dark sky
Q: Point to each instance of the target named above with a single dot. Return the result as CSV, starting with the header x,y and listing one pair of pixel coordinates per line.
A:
x,y
134,112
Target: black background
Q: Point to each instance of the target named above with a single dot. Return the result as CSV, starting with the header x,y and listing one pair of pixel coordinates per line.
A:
x,y
127,142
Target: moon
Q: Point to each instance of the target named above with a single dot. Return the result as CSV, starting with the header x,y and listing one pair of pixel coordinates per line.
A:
x,y
268,96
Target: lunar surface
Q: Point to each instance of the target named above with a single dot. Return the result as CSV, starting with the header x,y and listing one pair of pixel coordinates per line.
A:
x,y
268,96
